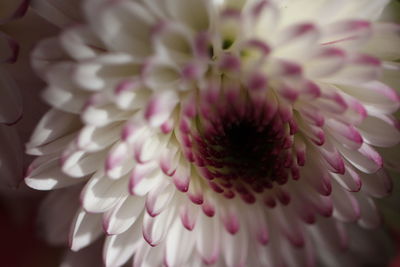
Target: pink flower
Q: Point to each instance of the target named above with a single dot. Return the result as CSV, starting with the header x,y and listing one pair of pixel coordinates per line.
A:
x,y
234,133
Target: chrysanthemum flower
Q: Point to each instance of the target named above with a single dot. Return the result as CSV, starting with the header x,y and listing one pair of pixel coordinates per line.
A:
x,y
235,133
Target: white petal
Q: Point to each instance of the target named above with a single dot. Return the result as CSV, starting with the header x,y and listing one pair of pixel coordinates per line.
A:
x,y
332,157
304,256
345,134
101,193
169,159
48,175
325,62
182,176
119,248
119,160
257,224
359,69
198,21
80,43
148,147
175,41
347,33
105,71
86,228
81,163
159,198
125,27
312,132
385,41
302,208
69,99
370,216
350,180
230,219
381,131
54,125
189,214
296,41
235,247
101,116
329,234
46,54
378,184
156,228
93,138
390,74
143,181
366,159
195,192
53,147
208,241
330,101
59,12
118,219
61,95
317,177
160,107
289,226
179,245
345,205
376,96
131,95
314,200
147,256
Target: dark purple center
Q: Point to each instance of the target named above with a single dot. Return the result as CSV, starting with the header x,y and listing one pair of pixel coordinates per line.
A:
x,y
246,151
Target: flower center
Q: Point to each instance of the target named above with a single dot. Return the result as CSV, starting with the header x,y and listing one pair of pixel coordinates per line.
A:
x,y
243,149
240,144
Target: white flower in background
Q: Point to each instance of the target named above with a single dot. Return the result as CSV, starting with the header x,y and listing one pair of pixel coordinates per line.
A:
x,y
10,98
234,133
20,105
10,105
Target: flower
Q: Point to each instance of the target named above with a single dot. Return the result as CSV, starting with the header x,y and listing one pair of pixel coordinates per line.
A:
x,y
20,104
20,28
10,101
15,76
235,133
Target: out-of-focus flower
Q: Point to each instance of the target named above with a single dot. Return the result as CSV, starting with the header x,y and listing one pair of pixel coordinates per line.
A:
x,y
20,29
235,133
10,105
10,98
20,109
